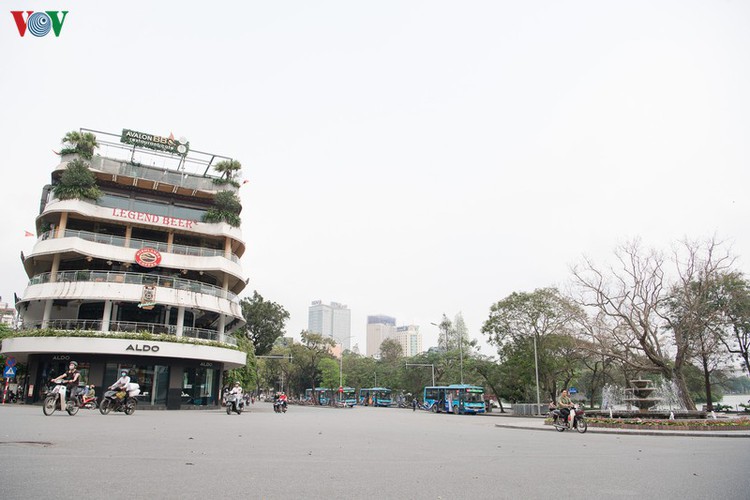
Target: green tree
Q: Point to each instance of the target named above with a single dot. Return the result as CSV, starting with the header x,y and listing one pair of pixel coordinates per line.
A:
x,y
228,168
245,375
390,351
329,373
77,182
265,322
76,142
226,208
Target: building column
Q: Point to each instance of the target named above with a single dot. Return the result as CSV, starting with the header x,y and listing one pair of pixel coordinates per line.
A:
x,y
128,234
55,268
222,324
60,231
180,320
228,247
170,240
107,315
47,312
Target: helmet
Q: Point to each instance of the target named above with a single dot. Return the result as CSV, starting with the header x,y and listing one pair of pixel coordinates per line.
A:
x,y
74,363
236,383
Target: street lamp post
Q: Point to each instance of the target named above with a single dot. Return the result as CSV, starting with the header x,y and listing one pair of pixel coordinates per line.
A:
x,y
536,369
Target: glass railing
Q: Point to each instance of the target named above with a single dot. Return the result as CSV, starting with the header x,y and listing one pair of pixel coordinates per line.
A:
x,y
166,176
161,246
133,327
136,279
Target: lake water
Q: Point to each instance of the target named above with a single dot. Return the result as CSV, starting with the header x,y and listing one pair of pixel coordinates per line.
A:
x,y
734,400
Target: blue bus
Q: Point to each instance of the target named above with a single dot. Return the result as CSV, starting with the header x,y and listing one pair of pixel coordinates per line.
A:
x,y
323,396
454,398
349,397
375,396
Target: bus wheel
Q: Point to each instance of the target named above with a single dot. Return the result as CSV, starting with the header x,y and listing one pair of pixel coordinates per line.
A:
x,y
456,410
434,408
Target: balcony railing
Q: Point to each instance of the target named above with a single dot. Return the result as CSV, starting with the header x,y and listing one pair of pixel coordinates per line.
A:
x,y
133,327
166,176
119,241
135,279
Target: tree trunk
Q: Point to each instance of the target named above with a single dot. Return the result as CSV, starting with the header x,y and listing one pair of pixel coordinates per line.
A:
x,y
684,393
707,382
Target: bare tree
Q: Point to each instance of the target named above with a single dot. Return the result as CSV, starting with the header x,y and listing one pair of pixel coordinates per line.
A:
x,y
635,305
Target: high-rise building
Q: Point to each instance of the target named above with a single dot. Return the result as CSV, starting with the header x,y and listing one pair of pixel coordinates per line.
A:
x,y
379,328
135,268
331,320
410,339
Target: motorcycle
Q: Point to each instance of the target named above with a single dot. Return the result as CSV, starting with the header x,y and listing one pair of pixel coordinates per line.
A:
x,y
235,403
114,401
90,403
52,400
279,406
562,424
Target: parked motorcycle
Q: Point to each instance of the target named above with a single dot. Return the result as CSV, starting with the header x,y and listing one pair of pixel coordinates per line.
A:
x,y
235,403
279,406
125,403
52,400
562,424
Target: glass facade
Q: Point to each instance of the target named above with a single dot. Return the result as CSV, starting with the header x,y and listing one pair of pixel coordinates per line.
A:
x,y
200,386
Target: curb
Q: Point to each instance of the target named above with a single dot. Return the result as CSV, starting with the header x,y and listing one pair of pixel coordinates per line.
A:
x,y
626,432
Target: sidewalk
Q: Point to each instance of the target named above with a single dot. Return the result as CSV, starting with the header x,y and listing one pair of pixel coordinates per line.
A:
x,y
508,421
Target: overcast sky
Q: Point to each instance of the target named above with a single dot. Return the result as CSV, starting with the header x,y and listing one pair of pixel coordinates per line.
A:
x,y
407,158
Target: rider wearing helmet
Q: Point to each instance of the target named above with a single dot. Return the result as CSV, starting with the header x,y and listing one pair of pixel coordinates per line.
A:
x,y
71,378
237,389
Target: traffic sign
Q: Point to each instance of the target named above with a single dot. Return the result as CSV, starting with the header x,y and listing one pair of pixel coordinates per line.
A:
x,y
573,390
11,361
9,372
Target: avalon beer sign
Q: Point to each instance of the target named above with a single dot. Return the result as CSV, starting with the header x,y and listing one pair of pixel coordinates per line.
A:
x,y
169,144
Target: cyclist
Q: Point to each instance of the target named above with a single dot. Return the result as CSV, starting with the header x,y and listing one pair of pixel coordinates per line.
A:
x,y
71,378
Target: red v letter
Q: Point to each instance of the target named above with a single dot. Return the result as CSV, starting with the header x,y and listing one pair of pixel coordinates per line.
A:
x,y
18,16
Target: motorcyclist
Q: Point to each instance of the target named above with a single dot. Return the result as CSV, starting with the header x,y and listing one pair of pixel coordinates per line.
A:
x,y
283,399
121,384
565,404
71,378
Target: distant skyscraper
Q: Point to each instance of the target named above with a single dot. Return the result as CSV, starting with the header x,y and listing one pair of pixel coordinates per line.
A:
x,y
410,339
379,328
334,320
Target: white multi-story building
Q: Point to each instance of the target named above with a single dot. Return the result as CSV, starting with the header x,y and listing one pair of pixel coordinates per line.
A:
x,y
410,339
379,328
331,320
139,259
7,315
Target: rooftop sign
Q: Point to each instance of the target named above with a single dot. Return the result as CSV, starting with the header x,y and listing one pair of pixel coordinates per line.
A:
x,y
167,144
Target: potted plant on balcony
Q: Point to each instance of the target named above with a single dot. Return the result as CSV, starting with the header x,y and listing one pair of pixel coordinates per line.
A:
x,y
227,208
228,169
77,182
81,143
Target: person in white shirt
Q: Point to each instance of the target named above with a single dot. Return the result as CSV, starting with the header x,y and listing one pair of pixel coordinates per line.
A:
x,y
122,382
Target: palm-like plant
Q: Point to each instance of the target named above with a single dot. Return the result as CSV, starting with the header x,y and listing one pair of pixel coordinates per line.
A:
x,y
227,208
77,182
80,143
228,168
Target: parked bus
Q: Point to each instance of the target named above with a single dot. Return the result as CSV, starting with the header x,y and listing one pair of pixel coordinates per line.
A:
x,y
349,396
455,398
375,396
323,395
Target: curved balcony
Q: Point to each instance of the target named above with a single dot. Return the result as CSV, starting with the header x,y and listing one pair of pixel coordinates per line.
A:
x,y
119,241
133,327
135,279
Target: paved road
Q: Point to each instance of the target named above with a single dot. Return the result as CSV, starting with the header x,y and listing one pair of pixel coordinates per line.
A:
x,y
348,453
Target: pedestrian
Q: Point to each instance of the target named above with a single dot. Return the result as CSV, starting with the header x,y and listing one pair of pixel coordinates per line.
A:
x,y
414,403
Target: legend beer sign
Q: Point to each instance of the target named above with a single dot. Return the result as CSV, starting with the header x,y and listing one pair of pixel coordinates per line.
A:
x,y
169,144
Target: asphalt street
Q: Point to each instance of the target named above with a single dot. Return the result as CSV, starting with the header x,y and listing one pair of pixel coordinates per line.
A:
x,y
348,453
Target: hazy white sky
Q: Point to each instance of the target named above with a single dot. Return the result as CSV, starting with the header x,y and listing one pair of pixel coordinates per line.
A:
x,y
408,158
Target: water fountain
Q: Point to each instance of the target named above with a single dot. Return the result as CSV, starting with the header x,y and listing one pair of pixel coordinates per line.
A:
x,y
649,401
639,395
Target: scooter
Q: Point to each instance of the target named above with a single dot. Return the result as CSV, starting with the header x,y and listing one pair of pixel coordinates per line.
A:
x,y
52,401
279,406
235,403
